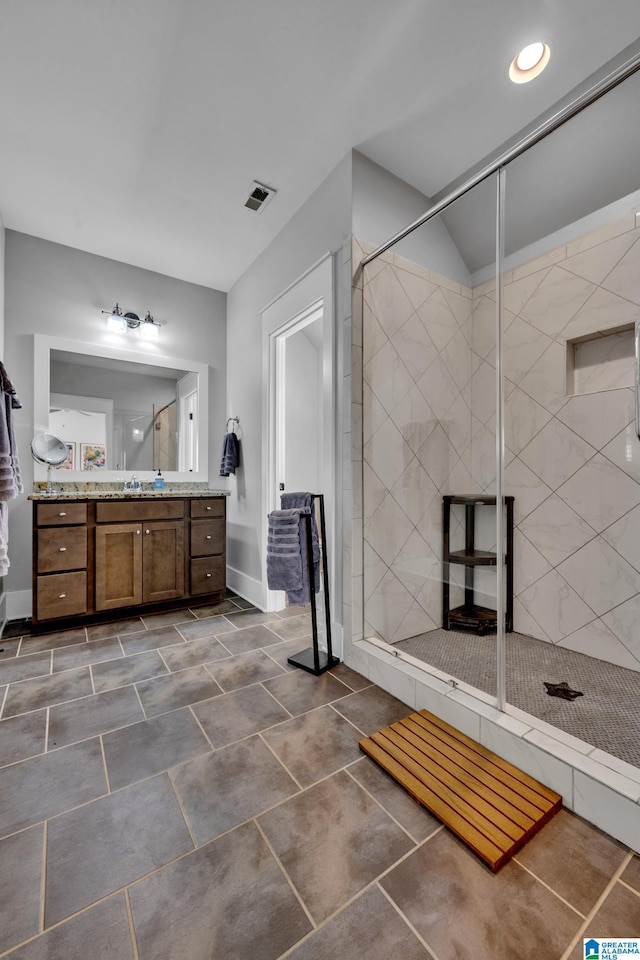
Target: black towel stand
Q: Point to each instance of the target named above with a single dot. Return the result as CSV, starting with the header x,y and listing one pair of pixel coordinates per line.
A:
x,y
314,660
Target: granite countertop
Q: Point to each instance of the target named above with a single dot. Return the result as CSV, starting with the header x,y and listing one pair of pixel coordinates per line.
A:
x,y
120,495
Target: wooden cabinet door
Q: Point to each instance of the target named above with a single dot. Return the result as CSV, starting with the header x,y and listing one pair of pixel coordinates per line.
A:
x,y
162,560
118,565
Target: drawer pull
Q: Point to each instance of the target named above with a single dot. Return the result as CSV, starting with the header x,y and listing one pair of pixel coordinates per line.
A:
x,y
208,574
63,549
208,536
62,596
62,513
208,508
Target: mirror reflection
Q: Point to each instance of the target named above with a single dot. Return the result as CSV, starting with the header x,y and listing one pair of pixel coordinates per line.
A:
x,y
122,415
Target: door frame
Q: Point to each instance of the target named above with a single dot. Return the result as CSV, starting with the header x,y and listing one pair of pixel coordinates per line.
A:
x,y
294,306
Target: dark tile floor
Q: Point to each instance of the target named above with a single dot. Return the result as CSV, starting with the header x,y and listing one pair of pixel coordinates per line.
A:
x,y
170,787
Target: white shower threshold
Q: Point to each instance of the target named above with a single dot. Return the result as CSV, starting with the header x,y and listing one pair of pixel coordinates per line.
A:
x,y
595,785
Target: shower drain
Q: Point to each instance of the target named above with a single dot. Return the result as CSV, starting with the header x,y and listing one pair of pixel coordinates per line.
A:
x,y
562,690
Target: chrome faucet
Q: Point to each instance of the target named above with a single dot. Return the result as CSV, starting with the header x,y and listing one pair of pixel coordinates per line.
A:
x,y
132,486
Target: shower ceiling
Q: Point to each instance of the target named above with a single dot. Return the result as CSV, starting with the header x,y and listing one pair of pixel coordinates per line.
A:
x,y
134,129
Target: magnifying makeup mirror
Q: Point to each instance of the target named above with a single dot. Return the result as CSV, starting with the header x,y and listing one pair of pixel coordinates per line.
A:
x,y
49,449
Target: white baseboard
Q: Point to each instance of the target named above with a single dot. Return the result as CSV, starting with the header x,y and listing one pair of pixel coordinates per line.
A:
x,y
247,587
18,604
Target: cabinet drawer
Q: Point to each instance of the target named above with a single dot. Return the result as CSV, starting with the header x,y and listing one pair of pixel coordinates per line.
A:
x,y
60,514
208,575
207,537
64,548
61,595
123,511
207,507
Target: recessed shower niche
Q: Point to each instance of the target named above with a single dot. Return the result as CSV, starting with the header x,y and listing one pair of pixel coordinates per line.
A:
x,y
603,360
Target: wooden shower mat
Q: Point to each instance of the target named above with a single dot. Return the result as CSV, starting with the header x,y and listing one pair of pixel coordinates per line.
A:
x,y
490,804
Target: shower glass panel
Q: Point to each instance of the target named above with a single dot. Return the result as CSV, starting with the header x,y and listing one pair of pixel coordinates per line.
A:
x,y
571,299
429,421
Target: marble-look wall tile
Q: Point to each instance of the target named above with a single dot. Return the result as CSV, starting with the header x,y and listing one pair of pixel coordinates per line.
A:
x,y
556,530
600,492
624,279
556,606
556,301
598,417
600,576
597,640
624,537
556,453
598,261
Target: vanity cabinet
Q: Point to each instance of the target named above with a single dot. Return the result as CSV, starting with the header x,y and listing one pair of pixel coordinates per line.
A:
x,y
97,556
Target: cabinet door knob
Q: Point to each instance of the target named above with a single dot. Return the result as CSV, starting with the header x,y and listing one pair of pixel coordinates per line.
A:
x,y
62,596
208,508
62,513
208,574
137,533
208,536
147,531
63,549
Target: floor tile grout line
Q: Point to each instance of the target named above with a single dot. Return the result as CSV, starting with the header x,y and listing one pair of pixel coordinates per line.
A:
x,y
104,763
549,888
273,697
406,920
281,762
43,878
285,874
4,700
388,813
182,811
599,902
47,720
93,686
132,929
624,883
204,732
79,913
51,663
144,712
348,719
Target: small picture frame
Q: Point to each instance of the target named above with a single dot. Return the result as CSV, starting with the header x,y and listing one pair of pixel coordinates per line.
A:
x,y
70,462
93,456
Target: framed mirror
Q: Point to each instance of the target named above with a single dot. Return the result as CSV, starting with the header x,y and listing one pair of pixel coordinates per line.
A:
x,y
120,412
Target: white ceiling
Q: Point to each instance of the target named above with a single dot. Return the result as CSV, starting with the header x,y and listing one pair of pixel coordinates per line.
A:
x,y
133,128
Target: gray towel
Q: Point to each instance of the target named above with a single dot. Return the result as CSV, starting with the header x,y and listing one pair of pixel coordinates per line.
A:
x,y
284,556
305,502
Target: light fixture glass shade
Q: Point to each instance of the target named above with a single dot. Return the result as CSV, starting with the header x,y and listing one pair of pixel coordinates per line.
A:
x,y
149,329
115,323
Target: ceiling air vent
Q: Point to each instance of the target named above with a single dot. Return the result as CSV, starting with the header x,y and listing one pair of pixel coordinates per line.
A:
x,y
259,196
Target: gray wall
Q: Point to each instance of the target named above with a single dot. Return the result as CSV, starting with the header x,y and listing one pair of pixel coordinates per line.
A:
x,y
320,225
383,204
59,291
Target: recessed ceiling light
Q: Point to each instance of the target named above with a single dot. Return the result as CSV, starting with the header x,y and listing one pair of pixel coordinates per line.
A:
x,y
529,63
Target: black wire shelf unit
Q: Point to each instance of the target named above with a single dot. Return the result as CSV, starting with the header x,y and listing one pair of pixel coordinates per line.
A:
x,y
471,615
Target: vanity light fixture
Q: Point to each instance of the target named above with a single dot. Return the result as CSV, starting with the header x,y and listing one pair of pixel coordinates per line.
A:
x,y
530,62
119,322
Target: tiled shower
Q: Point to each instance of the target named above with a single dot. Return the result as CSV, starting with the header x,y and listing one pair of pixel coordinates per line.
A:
x,y
570,300
572,459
